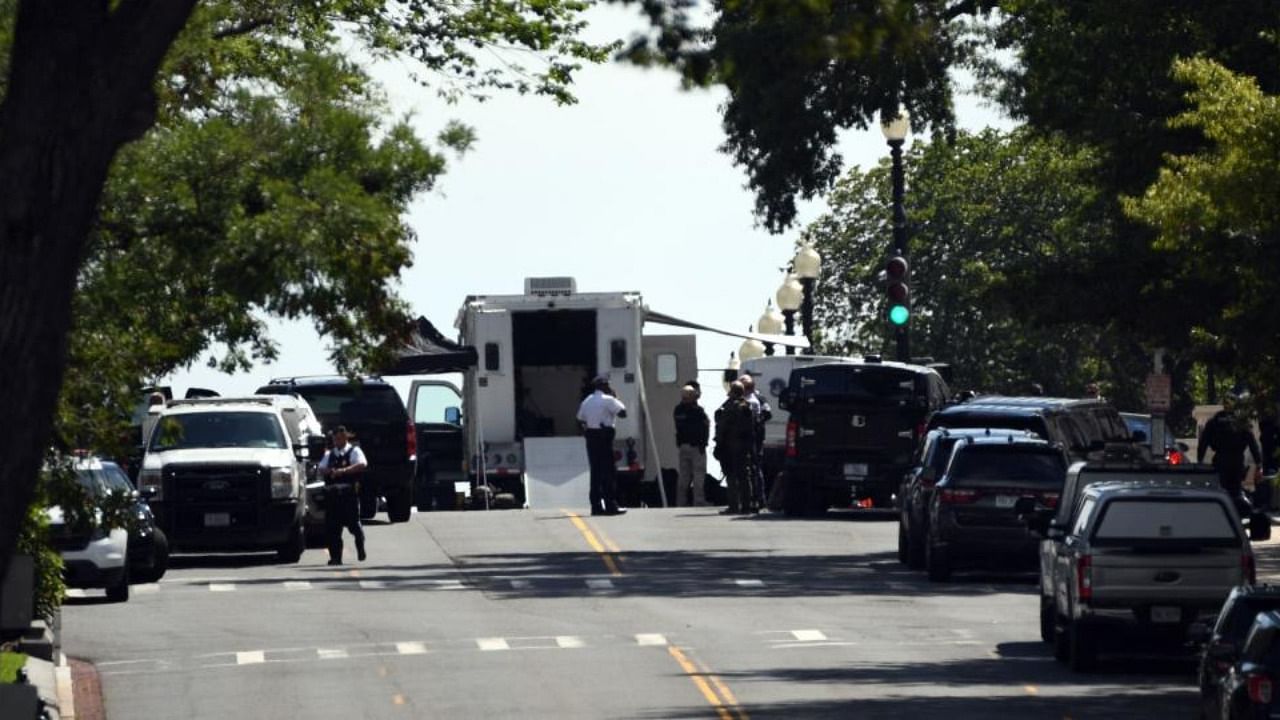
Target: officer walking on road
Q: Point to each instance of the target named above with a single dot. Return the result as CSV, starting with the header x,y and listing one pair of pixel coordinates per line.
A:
x,y
597,414
692,432
1228,434
734,448
761,413
342,467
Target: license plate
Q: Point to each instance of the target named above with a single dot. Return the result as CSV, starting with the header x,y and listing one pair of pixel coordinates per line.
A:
x,y
217,519
855,469
1006,501
1164,614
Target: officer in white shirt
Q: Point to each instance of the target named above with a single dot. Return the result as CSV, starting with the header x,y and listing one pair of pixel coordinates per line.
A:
x,y
342,467
597,415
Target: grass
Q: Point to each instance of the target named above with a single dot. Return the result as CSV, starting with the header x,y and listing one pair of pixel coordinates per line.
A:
x,y
10,664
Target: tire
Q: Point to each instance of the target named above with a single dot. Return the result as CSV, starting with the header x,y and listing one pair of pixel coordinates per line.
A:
x,y
1083,651
291,551
937,563
1061,649
1259,527
1047,630
159,560
904,550
368,502
794,498
915,548
120,591
400,507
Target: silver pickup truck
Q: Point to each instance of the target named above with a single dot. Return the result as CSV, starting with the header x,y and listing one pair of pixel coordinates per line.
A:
x,y
1143,550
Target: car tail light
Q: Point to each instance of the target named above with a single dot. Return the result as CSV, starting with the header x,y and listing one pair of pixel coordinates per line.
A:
x,y
1049,500
1248,569
957,497
1084,577
1259,688
411,440
1175,457
792,429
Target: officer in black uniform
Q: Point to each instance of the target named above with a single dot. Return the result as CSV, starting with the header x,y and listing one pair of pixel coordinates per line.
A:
x,y
342,467
1229,435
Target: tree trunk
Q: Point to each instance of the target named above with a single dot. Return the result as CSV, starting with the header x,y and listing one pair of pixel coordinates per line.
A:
x,y
80,87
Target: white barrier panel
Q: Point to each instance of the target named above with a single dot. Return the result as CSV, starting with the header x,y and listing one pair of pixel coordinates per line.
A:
x,y
556,473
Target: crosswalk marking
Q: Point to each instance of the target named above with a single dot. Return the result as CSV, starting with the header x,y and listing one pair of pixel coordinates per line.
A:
x,y
411,648
749,582
252,657
569,641
373,584
809,635
449,584
489,644
650,639
222,587
297,584
332,653
600,584
521,584
146,588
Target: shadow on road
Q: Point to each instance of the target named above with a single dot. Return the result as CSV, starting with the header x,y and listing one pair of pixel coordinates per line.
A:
x,y
181,562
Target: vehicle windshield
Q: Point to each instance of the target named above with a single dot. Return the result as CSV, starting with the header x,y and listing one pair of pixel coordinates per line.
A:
x,y
1237,622
884,386
1010,421
1128,521
217,430
1009,464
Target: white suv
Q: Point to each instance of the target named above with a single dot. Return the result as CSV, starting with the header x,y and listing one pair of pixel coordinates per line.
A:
x,y
227,474
92,558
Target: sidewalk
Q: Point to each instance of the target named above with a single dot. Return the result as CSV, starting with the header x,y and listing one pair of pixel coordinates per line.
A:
x,y
53,685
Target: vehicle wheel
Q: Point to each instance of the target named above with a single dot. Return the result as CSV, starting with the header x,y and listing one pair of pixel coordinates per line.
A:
x,y
159,560
1260,527
794,499
904,551
120,592
400,507
1083,656
291,551
937,562
1046,620
915,548
368,504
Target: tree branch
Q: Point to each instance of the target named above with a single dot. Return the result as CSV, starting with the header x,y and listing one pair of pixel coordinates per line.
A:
x,y
243,28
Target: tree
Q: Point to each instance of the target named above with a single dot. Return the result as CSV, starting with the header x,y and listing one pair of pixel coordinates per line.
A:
x,y
985,212
1217,208
80,83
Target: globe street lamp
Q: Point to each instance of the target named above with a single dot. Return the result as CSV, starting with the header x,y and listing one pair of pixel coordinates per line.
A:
x,y
750,348
731,371
790,296
807,265
770,323
895,133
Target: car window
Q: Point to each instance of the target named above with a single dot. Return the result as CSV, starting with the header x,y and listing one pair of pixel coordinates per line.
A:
x,y
91,481
1085,514
431,401
1005,464
942,454
215,430
1112,425
1237,620
1128,520
873,385
115,479
335,404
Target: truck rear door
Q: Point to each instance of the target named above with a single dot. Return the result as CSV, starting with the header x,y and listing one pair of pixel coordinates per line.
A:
x,y
856,410
1166,550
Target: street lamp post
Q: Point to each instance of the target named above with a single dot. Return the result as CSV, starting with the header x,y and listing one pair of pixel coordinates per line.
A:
x,y
807,265
790,296
895,133
731,371
770,323
750,348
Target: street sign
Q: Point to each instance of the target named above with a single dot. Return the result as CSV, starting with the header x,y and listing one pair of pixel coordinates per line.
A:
x,y
1159,393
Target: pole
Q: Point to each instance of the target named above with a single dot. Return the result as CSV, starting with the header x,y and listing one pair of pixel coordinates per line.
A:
x,y
806,312
789,324
901,334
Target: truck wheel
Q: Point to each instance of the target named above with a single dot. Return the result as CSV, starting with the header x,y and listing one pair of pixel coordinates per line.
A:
x,y
1083,651
291,551
159,560
1046,620
120,591
1260,527
904,551
937,563
400,507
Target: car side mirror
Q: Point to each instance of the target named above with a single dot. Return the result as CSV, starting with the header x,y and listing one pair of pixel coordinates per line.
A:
x,y
453,415
1198,633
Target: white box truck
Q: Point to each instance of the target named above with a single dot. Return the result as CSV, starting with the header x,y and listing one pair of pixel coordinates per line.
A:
x,y
536,354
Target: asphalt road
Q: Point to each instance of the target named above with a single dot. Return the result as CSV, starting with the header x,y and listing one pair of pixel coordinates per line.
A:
x,y
658,614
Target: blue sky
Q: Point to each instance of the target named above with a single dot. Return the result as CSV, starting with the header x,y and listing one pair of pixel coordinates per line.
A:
x,y
624,191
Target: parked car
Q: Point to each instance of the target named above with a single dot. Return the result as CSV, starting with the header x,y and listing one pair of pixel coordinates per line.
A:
x,y
1224,642
973,511
1145,559
375,416
916,491
1086,428
1248,689
148,546
1175,453
852,430
93,554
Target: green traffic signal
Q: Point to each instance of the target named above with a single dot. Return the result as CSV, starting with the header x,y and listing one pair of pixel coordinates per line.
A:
x,y
899,314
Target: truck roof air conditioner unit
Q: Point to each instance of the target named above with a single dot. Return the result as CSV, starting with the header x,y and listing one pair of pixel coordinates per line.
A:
x,y
550,286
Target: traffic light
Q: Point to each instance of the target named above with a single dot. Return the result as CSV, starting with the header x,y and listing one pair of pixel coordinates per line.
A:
x,y
895,273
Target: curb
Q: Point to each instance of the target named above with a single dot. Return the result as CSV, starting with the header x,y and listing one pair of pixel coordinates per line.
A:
x,y
65,690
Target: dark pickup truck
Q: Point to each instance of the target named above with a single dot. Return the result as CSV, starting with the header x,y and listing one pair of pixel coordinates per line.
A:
x,y
434,406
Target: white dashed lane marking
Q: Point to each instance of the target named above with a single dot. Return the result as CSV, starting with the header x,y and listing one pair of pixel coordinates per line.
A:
x,y
491,644
749,582
521,584
411,648
297,585
146,588
373,584
252,657
600,584
222,587
569,641
651,639
332,654
809,635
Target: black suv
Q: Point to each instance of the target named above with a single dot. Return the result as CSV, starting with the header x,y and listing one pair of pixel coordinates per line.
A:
x,y
974,516
1080,426
852,430
929,463
1224,642
374,414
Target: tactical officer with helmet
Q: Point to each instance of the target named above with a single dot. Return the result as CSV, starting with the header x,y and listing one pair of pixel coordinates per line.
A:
x,y
342,467
1228,434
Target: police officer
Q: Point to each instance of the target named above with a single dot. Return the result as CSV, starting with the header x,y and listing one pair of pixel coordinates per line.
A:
x,y
1228,434
761,413
734,448
342,467
597,415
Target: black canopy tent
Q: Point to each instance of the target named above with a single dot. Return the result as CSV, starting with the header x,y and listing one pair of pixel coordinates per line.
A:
x,y
428,352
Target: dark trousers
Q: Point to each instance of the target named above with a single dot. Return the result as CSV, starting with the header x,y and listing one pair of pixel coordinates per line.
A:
x,y
739,474
604,481
342,510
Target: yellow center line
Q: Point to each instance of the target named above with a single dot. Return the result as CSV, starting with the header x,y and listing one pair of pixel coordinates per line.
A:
x,y
594,542
725,692
696,676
